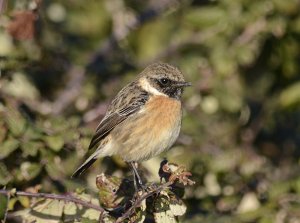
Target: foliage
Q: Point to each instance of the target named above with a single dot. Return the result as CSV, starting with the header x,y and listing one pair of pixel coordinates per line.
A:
x,y
62,61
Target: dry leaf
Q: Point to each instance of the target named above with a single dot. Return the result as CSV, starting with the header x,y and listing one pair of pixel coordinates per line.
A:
x,y
22,26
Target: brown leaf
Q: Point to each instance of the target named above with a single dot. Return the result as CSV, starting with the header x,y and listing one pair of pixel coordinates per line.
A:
x,y
34,189
22,26
171,172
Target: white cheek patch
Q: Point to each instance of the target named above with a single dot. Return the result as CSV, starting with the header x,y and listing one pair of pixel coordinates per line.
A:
x,y
146,86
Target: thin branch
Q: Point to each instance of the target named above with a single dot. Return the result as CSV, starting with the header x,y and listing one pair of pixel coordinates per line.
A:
x,y
251,31
66,198
6,210
3,5
71,90
139,200
95,113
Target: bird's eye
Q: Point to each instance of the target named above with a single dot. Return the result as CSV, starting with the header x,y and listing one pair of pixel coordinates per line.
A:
x,y
164,81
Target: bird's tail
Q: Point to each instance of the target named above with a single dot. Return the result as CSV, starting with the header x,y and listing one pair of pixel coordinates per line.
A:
x,y
85,165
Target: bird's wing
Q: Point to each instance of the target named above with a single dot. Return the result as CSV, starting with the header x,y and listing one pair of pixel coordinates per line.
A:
x,y
114,118
129,101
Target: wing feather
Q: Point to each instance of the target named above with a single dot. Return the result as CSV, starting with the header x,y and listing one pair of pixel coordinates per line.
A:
x,y
113,119
109,123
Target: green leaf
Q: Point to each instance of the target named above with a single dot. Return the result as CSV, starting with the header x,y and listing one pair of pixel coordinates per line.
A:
x,y
155,43
162,211
84,142
32,133
164,217
31,148
30,170
21,87
25,201
167,206
3,205
86,220
109,219
177,206
287,7
55,169
223,60
16,123
5,175
70,163
89,213
70,136
296,185
54,142
11,203
205,16
162,203
54,211
3,131
46,211
290,96
109,193
277,189
8,147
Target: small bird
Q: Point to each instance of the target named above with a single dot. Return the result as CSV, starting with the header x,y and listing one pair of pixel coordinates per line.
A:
x,y
143,120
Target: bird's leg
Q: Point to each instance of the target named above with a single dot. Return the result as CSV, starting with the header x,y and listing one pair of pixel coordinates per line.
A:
x,y
137,179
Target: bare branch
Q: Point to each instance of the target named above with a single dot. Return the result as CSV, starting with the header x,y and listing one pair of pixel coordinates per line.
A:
x,y
142,197
67,198
251,31
71,91
3,5
95,113
6,210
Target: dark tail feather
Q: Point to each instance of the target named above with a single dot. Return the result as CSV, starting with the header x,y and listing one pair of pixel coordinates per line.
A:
x,y
83,167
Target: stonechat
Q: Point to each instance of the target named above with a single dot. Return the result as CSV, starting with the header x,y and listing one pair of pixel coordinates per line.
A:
x,y
143,120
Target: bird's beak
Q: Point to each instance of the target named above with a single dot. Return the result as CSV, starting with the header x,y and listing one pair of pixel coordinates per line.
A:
x,y
183,84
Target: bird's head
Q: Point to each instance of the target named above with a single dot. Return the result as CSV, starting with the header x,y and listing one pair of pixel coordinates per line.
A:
x,y
163,79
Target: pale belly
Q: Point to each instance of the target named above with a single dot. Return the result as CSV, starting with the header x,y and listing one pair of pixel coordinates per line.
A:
x,y
150,132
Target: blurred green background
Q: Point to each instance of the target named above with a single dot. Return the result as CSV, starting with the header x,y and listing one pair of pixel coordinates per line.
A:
x,y
62,61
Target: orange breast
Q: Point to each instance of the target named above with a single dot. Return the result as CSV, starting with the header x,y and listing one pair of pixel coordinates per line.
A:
x,y
163,113
151,131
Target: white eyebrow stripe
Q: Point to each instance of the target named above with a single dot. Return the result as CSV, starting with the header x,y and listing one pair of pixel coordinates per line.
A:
x,y
146,86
